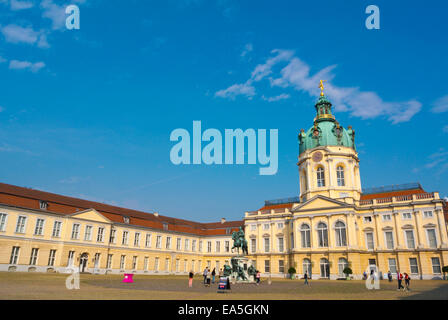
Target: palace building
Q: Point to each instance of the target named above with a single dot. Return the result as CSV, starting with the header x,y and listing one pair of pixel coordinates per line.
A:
x,y
335,224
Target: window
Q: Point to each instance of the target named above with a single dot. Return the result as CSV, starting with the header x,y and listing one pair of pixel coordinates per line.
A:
x,y
200,246
43,205
324,268
266,244
436,265
148,240
218,246
122,262
124,241
320,177
192,265
209,246
322,234
14,255
165,226
227,246
177,265
367,219
387,217
342,264
340,176
253,227
168,243
167,264
3,221
432,239
57,229
134,262
96,260
71,258
280,225
112,236
216,264
292,241
267,266
137,239
193,245
109,261
145,263
341,239
88,233
253,245
187,244
266,226
159,242
156,264
392,265
100,235
51,257
178,244
413,265
75,231
389,239
281,266
33,258
427,214
39,229
369,240
305,235
20,228
126,220
410,239
280,244
407,215
306,265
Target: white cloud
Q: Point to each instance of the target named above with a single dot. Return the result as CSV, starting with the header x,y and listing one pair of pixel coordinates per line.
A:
x,y
20,5
54,12
16,34
231,92
296,74
26,65
282,96
247,49
440,105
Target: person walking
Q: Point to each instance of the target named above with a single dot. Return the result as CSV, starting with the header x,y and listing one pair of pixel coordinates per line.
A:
x,y
389,276
305,276
213,275
407,280
190,279
257,277
400,279
208,278
205,274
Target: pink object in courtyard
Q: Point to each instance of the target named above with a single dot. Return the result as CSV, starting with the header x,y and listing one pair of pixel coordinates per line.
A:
x,y
128,278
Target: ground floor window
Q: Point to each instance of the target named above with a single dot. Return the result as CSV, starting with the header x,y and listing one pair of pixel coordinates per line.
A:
x,y
145,263
51,257
71,257
156,264
324,268
33,258
281,266
307,267
413,265
134,262
167,264
436,265
342,264
109,261
14,255
97,260
267,266
122,262
392,265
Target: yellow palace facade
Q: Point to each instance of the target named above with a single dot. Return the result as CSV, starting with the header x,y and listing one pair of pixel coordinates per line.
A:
x,y
335,224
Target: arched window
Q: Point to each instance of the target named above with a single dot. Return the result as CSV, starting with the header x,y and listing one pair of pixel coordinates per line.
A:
x,y
341,239
322,234
340,176
342,264
306,236
324,268
320,177
307,267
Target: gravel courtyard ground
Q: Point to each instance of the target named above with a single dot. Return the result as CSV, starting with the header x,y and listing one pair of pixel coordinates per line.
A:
x,y
104,287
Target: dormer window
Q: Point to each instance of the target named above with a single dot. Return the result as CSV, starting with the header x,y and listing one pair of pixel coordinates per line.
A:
x,y
43,205
165,226
126,220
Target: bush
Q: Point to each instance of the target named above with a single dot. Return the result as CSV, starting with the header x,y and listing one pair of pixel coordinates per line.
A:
x,y
291,271
347,271
445,269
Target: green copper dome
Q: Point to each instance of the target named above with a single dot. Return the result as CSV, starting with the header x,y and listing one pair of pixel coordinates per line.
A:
x,y
326,130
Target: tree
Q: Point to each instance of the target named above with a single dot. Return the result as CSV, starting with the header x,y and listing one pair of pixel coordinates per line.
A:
x,y
291,271
347,271
444,270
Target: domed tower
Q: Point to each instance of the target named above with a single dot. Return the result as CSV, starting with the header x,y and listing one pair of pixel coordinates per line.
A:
x,y
328,161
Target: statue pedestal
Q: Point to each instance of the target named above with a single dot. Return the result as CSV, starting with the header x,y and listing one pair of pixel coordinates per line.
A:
x,y
243,264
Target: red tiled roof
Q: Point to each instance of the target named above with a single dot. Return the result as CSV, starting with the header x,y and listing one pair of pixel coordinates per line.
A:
x,y
277,206
29,198
391,194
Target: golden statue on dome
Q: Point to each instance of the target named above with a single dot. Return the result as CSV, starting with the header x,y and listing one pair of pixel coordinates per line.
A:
x,y
321,86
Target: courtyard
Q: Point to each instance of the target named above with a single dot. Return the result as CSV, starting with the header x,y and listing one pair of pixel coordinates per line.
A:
x,y
32,286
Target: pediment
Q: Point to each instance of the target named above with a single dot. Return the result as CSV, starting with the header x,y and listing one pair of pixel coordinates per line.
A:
x,y
92,215
318,203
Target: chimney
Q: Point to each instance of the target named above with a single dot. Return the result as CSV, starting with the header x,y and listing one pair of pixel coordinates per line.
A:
x,y
156,214
223,220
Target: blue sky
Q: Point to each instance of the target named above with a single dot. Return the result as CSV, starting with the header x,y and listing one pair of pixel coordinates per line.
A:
x,y
89,112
